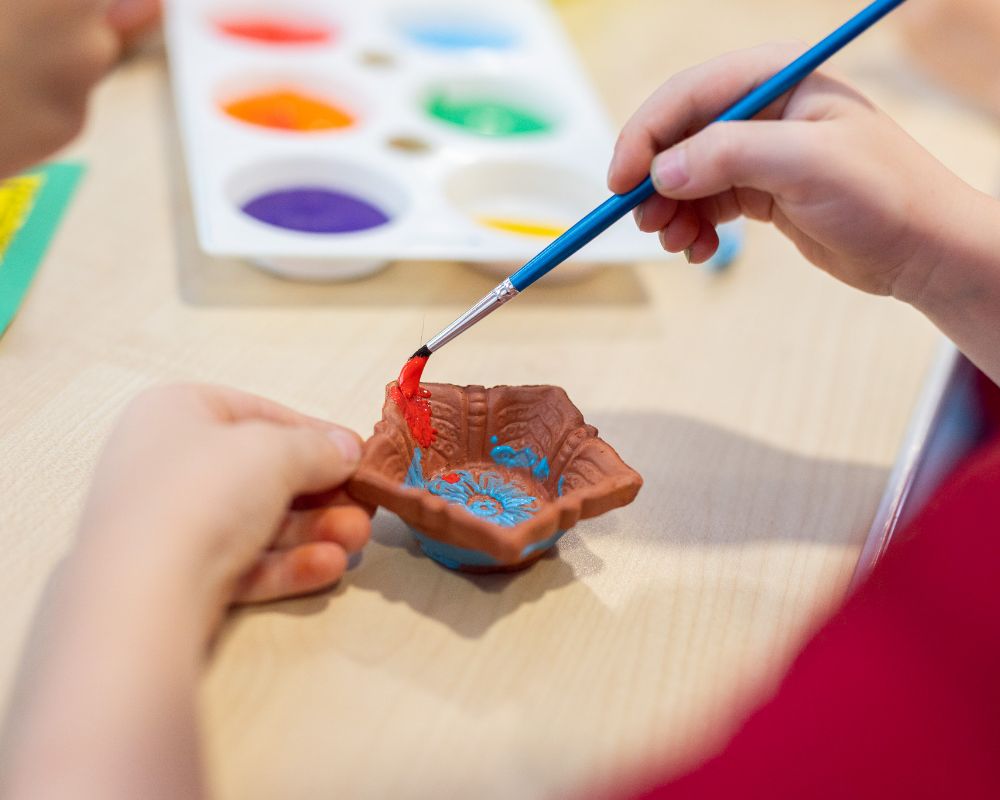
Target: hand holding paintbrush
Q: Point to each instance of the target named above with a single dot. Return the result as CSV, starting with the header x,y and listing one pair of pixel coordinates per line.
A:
x,y
613,209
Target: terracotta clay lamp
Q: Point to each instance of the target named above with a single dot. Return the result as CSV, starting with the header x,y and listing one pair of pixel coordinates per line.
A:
x,y
510,470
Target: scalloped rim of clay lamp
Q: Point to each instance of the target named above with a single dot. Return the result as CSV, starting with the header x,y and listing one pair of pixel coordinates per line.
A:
x,y
582,475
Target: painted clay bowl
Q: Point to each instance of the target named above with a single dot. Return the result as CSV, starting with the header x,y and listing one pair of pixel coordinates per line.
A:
x,y
511,469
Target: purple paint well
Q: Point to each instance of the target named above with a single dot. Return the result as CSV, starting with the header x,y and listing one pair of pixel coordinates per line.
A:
x,y
314,209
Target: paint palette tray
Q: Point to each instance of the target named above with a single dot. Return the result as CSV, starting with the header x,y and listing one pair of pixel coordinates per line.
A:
x,y
324,139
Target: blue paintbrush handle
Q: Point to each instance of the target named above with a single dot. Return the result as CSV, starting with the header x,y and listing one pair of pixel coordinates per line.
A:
x,y
617,206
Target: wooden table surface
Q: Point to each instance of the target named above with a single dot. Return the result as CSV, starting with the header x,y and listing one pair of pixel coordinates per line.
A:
x,y
764,408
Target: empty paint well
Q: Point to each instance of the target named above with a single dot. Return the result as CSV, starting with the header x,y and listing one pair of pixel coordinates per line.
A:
x,y
315,196
378,59
491,109
412,145
265,29
290,110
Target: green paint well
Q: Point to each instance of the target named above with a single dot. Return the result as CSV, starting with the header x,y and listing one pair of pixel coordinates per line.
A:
x,y
486,116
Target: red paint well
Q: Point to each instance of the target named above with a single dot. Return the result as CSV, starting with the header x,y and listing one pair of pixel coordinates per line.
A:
x,y
414,401
274,31
451,477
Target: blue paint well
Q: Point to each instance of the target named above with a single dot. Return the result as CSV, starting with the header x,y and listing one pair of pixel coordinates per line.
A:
x,y
459,35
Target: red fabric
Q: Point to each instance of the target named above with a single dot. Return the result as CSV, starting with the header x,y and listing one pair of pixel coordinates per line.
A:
x,y
898,695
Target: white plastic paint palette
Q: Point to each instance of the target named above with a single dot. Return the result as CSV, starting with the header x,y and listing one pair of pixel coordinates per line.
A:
x,y
326,138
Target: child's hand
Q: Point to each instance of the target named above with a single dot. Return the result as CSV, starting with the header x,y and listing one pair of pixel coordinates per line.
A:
x,y
133,18
197,484
52,52
856,194
191,509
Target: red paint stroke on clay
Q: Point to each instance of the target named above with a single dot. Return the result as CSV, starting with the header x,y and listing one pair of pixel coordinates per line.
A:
x,y
414,401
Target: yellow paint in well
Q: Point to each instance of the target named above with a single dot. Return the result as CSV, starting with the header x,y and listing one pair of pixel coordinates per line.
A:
x,y
523,227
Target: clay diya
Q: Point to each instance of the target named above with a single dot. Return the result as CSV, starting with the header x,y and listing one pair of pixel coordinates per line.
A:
x,y
510,470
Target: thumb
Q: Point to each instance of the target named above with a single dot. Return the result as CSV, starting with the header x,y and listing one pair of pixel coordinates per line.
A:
x,y
777,157
313,460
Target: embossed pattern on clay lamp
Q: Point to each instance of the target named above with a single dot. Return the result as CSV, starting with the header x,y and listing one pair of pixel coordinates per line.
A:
x,y
511,469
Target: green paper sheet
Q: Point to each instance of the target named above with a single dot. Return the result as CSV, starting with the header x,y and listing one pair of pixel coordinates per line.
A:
x,y
31,206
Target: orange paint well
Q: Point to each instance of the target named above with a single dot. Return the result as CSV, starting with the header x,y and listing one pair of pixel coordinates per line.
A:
x,y
288,110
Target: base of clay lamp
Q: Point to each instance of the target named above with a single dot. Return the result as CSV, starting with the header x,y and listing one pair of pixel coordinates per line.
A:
x,y
463,559
511,470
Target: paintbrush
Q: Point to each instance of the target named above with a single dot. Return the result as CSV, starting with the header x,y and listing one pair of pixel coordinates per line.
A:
x,y
617,206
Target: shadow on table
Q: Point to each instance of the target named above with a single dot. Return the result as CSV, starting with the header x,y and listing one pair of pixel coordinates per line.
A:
x,y
705,487
468,604
234,283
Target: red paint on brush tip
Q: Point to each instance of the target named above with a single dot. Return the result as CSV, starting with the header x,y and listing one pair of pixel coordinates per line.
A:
x,y
414,401
410,375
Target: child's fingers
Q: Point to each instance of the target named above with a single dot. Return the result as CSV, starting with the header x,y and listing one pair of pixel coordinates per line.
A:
x,y
314,455
689,101
317,460
705,245
232,405
655,213
130,17
347,525
682,230
334,497
226,405
287,573
309,460
779,158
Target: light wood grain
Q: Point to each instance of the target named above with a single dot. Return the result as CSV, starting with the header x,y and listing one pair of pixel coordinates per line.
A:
x,y
764,408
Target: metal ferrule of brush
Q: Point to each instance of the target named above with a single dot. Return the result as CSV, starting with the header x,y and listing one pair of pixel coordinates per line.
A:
x,y
490,303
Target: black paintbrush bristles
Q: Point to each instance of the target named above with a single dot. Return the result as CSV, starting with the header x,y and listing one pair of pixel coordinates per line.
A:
x,y
423,352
